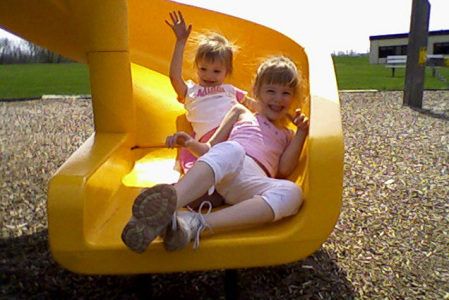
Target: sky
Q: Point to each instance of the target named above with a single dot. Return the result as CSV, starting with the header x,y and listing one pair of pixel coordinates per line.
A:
x,y
345,25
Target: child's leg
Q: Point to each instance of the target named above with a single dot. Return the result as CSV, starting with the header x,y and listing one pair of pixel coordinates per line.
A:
x,y
275,199
250,212
282,200
215,200
194,184
224,160
187,161
189,225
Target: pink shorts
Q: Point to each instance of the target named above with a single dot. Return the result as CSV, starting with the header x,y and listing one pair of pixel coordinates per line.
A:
x,y
186,158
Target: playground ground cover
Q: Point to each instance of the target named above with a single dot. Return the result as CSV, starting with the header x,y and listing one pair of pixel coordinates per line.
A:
x,y
30,81
390,241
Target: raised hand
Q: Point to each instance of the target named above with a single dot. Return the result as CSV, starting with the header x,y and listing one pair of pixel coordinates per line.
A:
x,y
178,25
299,119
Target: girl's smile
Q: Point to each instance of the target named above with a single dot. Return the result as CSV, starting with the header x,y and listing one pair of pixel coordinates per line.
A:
x,y
275,100
211,73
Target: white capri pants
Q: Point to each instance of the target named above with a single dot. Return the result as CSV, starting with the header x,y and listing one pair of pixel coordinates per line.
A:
x,y
238,177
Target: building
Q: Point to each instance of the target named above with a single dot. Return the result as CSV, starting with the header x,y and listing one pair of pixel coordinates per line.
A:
x,y
382,46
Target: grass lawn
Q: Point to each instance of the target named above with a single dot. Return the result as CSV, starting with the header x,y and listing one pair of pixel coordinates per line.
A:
x,y
35,80
356,73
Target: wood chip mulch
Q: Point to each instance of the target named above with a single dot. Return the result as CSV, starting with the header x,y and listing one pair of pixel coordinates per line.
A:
x,y
391,241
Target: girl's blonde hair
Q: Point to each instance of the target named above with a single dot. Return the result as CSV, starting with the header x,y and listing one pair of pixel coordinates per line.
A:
x,y
277,70
212,46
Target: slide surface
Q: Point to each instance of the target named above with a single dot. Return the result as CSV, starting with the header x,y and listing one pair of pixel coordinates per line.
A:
x,y
128,48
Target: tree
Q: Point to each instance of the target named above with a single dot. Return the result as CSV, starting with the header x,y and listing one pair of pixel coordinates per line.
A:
x,y
22,52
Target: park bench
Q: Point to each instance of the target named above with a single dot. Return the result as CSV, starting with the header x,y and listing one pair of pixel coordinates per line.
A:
x,y
399,61
395,61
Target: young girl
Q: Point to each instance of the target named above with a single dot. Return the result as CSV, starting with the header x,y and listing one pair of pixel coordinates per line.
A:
x,y
208,101
242,161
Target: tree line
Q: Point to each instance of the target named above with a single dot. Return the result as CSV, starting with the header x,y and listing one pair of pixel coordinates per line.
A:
x,y
24,52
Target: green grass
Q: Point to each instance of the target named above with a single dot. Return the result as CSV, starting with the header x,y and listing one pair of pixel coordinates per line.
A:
x,y
356,73
35,80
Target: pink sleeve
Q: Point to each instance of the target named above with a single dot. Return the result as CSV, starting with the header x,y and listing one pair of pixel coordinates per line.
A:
x,y
240,95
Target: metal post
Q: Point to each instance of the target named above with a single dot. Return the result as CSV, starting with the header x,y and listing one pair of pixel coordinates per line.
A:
x,y
231,284
416,54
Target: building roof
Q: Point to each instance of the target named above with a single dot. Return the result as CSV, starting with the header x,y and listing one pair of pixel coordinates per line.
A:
x,y
405,35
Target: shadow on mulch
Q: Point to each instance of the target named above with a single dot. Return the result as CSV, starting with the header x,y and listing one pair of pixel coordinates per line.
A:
x,y
28,271
438,115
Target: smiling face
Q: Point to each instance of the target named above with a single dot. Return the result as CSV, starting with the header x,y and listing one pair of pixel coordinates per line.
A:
x,y
275,87
275,100
211,73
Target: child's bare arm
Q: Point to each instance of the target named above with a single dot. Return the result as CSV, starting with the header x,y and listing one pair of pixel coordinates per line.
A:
x,y
289,158
250,103
182,32
234,114
182,139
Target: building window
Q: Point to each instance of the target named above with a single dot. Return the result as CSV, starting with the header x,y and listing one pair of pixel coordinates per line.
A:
x,y
441,48
392,50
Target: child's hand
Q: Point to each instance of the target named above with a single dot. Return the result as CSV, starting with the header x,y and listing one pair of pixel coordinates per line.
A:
x,y
179,27
300,119
180,139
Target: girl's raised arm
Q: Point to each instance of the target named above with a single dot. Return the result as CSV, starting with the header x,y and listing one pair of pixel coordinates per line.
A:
x,y
290,157
182,32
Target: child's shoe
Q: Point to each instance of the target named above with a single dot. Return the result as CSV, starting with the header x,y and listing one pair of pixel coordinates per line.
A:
x,y
152,211
187,226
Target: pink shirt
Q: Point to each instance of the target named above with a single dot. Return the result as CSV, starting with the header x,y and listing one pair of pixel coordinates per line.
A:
x,y
262,140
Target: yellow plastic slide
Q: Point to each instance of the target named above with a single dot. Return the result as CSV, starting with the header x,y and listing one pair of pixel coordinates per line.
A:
x,y
128,47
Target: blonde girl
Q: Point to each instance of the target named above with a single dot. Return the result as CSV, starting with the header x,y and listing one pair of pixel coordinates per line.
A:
x,y
207,101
